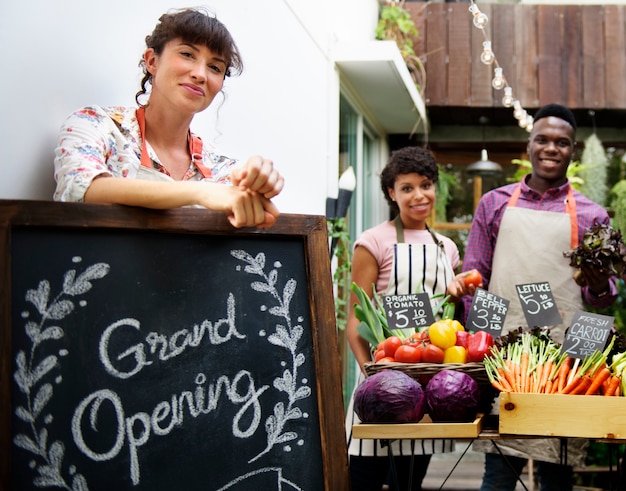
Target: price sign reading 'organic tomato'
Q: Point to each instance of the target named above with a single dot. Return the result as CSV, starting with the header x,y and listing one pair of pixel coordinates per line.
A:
x,y
588,333
538,304
408,311
487,313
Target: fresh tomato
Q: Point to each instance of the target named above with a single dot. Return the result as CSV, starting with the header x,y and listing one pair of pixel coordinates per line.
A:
x,y
472,278
432,354
461,338
391,344
442,334
387,359
455,354
478,345
420,335
408,354
378,354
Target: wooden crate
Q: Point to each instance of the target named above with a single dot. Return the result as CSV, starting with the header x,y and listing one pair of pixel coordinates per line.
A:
x,y
424,429
581,416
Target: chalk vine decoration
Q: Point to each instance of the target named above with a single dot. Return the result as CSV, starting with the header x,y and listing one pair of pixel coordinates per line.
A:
x,y
30,375
285,336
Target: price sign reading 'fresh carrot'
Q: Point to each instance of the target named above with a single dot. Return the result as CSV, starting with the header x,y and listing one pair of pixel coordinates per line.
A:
x,y
538,304
408,311
588,333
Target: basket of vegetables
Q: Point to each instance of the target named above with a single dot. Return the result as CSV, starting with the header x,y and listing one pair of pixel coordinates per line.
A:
x,y
423,353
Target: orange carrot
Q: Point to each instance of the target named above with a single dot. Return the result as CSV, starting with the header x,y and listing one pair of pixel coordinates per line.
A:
x,y
573,383
564,369
506,378
498,385
546,375
524,372
585,382
600,376
613,386
537,376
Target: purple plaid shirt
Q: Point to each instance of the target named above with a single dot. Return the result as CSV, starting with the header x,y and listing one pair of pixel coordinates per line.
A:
x,y
486,225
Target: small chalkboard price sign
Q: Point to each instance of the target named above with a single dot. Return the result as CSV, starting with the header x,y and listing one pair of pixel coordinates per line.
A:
x,y
588,332
538,304
411,311
165,350
487,313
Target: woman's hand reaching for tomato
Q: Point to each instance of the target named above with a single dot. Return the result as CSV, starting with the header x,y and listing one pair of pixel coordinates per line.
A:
x,y
465,284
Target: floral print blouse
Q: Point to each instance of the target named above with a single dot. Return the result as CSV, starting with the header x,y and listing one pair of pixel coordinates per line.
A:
x,y
107,141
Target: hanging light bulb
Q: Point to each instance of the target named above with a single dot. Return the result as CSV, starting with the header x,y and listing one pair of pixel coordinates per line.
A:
x,y
498,80
487,56
523,121
528,123
480,19
507,100
518,111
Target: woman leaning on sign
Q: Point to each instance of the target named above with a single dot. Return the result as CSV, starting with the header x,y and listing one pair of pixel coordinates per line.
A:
x,y
147,156
400,256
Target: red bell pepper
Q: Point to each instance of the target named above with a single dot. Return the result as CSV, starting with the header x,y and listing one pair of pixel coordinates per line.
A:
x,y
478,345
461,338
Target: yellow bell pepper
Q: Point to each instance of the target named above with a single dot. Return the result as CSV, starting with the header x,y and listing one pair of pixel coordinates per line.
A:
x,y
455,354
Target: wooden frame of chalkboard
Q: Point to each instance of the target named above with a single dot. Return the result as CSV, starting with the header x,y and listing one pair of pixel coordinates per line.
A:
x,y
255,348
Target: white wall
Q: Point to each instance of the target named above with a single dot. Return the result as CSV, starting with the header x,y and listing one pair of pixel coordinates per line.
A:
x,y
62,54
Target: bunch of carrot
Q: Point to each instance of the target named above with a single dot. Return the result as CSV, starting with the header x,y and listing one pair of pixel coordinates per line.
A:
x,y
536,364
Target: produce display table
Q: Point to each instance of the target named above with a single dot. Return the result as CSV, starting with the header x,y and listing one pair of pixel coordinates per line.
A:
x,y
602,419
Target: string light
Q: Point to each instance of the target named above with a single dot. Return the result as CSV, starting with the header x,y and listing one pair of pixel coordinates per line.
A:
x,y
480,19
487,56
499,82
508,100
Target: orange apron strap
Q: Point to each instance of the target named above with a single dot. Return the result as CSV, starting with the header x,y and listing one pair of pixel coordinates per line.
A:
x,y
195,147
570,208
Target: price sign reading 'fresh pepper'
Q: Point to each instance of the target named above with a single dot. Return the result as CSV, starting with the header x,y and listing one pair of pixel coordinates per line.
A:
x,y
487,313
538,304
588,333
408,311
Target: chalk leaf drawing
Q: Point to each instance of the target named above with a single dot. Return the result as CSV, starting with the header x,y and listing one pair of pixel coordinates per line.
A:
x,y
286,336
31,370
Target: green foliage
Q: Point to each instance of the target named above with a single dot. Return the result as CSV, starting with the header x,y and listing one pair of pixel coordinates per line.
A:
x,y
337,230
594,170
617,203
525,167
445,186
395,24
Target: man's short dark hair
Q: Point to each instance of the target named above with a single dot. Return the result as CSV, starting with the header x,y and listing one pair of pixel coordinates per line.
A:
x,y
558,111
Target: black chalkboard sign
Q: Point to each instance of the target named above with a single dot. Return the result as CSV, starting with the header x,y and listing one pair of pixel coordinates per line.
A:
x,y
412,311
538,304
588,332
165,350
487,313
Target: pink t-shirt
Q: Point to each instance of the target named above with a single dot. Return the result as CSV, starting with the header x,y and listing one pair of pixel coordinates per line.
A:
x,y
379,241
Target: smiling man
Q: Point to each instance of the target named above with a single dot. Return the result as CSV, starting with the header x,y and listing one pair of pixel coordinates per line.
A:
x,y
518,236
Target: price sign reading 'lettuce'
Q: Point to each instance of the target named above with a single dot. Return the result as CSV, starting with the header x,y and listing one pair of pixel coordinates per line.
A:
x,y
487,313
538,304
588,333
408,311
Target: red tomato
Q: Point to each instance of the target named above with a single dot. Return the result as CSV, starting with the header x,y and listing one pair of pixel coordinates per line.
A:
x,y
386,359
472,277
432,354
378,354
408,354
421,335
391,344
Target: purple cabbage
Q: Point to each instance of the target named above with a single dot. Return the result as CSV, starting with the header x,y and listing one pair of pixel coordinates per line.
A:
x,y
389,396
452,396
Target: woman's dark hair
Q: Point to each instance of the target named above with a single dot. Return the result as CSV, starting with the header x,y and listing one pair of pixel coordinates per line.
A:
x,y
193,26
407,160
